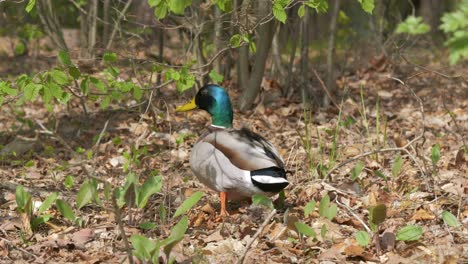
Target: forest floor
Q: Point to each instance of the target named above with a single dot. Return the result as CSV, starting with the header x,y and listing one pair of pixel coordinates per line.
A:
x,y
406,110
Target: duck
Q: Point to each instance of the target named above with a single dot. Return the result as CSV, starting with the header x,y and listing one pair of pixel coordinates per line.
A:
x,y
236,163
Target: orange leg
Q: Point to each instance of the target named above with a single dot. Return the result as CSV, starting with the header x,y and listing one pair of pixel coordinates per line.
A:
x,y
224,212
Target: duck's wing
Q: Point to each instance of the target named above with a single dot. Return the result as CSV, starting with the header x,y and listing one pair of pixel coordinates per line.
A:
x,y
245,149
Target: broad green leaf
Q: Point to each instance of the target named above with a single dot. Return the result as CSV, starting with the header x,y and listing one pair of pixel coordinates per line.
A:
x,y
450,219
31,91
150,187
30,6
367,5
378,214
74,72
324,204
397,166
178,6
22,197
64,58
331,211
109,57
137,92
435,153
65,210
5,88
177,234
85,194
47,203
279,13
147,225
235,41
160,11
20,48
36,221
153,3
216,77
143,246
69,182
413,26
380,175
55,90
409,233
363,238
99,84
309,208
59,76
301,11
357,170
260,199
305,229
188,203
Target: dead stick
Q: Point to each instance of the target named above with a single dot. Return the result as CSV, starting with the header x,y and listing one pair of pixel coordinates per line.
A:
x,y
19,248
257,234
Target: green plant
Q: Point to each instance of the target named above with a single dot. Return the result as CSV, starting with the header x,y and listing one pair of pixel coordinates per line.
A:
x,y
413,26
450,219
377,215
409,233
363,238
455,26
24,205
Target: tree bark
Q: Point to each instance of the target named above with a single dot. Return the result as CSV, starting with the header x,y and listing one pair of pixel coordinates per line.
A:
x,y
107,23
218,27
330,53
243,67
305,57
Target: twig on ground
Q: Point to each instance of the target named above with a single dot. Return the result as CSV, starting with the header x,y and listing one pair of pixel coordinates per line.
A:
x,y
118,218
355,216
256,235
19,248
324,87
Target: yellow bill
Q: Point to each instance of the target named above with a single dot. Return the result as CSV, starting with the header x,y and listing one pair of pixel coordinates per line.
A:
x,y
187,107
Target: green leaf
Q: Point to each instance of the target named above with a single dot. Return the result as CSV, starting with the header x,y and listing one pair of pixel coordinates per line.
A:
x,y
178,6
279,13
380,175
64,58
99,84
36,221
65,210
30,6
188,203
397,166
357,170
153,3
216,77
147,225
137,92
301,11
20,48
150,187
74,72
378,214
409,233
22,198
109,57
305,229
367,5
235,41
69,182
143,246
413,26
31,91
60,77
450,219
5,88
85,194
331,212
435,154
260,199
324,204
161,10
363,238
47,203
309,208
323,231
177,234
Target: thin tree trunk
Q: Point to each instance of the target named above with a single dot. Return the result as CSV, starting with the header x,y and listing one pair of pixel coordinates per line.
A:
x,y
276,56
218,27
92,28
305,57
107,23
117,24
263,48
243,68
330,53
290,88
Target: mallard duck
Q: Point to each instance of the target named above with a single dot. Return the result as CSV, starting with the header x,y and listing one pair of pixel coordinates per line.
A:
x,y
237,163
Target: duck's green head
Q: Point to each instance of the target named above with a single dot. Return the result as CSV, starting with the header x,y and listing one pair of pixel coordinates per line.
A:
x,y
215,100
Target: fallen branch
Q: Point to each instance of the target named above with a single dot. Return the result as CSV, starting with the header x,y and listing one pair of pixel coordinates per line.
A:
x,y
19,248
369,231
256,235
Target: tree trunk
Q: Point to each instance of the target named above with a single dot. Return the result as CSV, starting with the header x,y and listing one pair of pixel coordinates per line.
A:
x,y
243,67
92,27
50,23
218,28
107,23
263,48
330,53
305,58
